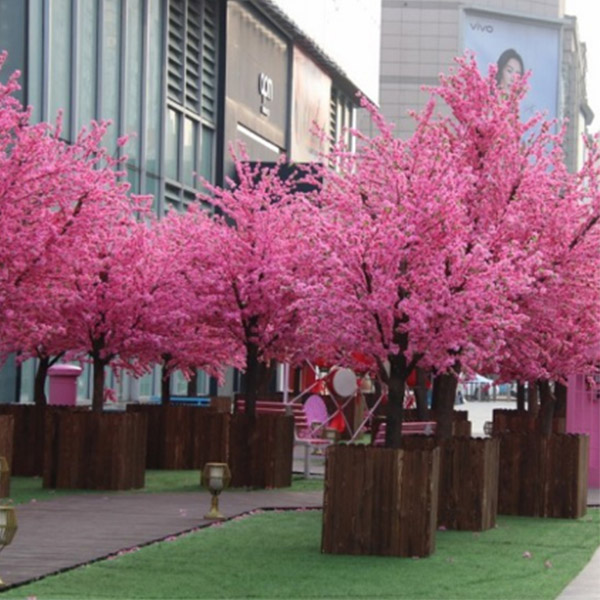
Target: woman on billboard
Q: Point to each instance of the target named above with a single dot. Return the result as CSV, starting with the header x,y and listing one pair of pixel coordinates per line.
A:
x,y
510,64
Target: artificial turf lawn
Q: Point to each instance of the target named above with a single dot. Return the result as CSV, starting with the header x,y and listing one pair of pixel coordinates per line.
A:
x,y
276,555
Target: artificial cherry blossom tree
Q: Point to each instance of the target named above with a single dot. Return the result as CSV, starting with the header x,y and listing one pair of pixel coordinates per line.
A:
x,y
50,192
259,234
430,239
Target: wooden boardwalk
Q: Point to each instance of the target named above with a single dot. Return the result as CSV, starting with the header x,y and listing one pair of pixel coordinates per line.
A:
x,y
59,534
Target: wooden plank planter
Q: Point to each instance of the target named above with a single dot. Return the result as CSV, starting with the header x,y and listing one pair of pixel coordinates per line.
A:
x,y
469,470
184,437
261,454
380,501
6,450
543,476
29,431
519,421
98,451
468,486
28,445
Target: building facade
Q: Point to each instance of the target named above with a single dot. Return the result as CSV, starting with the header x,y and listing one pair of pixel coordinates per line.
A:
x,y
185,79
421,38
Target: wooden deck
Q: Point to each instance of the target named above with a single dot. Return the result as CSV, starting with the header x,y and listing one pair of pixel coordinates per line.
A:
x,y
59,534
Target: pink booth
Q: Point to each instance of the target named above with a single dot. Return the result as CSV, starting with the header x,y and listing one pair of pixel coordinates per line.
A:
x,y
63,384
583,416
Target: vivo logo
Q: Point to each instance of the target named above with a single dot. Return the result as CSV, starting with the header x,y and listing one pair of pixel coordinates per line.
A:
x,y
265,89
483,28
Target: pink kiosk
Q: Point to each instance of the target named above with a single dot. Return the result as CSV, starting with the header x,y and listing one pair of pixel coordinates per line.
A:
x,y
63,384
583,416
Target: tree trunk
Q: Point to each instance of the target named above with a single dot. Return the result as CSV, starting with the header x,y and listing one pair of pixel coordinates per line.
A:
x,y
395,405
532,398
521,396
165,380
560,391
444,395
265,373
252,379
39,393
548,405
192,384
421,394
98,382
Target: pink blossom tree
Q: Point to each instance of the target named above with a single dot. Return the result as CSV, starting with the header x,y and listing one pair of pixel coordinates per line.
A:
x,y
259,234
50,191
430,238
188,329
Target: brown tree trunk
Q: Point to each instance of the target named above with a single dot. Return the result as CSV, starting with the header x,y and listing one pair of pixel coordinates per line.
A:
x,y
532,398
444,395
192,384
521,396
165,380
548,405
39,393
252,379
98,383
395,405
421,394
265,373
560,391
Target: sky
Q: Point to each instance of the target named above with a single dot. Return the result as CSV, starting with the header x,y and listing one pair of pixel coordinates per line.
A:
x,y
588,17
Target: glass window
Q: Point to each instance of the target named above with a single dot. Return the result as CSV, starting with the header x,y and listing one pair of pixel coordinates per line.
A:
x,y
28,369
146,385
153,87
153,187
34,58
206,165
12,36
172,145
59,84
86,84
133,79
111,68
190,150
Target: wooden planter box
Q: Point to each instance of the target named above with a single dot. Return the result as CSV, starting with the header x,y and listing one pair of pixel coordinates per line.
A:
x,y
97,451
506,420
29,431
543,477
468,497
184,437
28,444
468,483
380,501
6,450
261,454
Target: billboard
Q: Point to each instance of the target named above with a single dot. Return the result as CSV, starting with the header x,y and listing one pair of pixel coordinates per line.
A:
x,y
515,44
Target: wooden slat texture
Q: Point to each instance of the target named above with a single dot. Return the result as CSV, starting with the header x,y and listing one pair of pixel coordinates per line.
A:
x,y
7,423
380,501
184,437
543,477
519,421
87,450
261,452
468,483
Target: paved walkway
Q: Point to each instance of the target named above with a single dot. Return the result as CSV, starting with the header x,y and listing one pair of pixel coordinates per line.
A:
x,y
59,534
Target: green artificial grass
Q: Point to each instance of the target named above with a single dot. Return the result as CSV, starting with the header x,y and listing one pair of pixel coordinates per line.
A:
x,y
277,555
28,489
